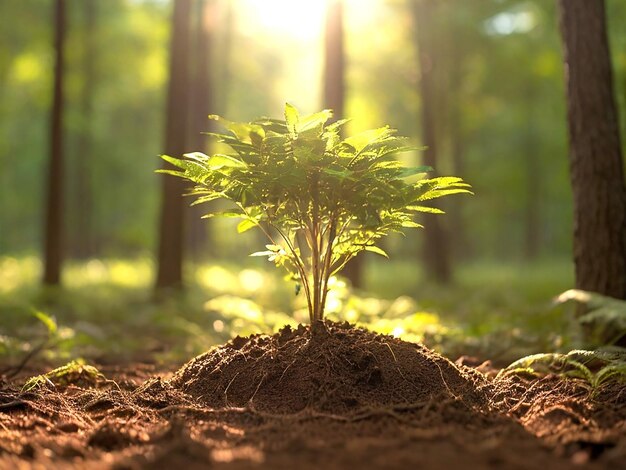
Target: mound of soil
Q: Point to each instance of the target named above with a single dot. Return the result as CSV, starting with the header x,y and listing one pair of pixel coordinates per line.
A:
x,y
329,367
329,396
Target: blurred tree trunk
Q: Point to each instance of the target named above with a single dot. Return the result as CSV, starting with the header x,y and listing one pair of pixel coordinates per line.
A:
x,y
334,96
200,106
83,238
596,165
53,248
532,235
458,238
435,247
170,251
334,60
224,59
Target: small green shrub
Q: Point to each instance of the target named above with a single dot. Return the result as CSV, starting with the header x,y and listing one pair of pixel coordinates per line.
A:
x,y
318,198
604,318
74,372
595,367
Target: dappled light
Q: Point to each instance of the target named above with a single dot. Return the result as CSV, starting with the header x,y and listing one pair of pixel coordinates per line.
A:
x,y
504,312
519,20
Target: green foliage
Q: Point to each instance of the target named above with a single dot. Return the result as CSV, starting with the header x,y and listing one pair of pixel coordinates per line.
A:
x,y
48,321
318,198
595,367
604,318
74,372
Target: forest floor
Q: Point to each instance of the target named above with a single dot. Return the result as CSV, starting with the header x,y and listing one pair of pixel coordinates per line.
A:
x,y
331,396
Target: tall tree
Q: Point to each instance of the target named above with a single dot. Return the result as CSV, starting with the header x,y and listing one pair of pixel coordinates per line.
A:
x,y
83,237
170,250
596,167
334,59
456,133
435,243
227,17
334,95
53,248
200,106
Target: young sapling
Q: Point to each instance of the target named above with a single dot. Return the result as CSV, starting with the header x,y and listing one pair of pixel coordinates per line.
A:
x,y
319,199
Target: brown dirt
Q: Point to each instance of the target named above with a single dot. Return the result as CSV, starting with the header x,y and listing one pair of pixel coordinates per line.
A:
x,y
330,396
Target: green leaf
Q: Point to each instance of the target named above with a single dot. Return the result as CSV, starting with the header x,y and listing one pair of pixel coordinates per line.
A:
x,y
428,210
241,130
197,156
218,161
47,320
227,214
437,193
377,250
362,140
342,173
411,224
246,225
314,122
208,198
263,253
445,181
180,174
174,161
291,118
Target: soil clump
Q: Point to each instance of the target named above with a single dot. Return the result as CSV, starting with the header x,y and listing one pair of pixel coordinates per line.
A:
x,y
330,367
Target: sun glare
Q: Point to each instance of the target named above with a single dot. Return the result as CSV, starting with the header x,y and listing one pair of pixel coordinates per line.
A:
x,y
294,31
299,19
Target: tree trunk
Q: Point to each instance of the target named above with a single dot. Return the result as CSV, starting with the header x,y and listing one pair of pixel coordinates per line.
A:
x,y
334,97
334,61
53,248
595,154
459,242
201,105
435,246
83,201
170,252
222,99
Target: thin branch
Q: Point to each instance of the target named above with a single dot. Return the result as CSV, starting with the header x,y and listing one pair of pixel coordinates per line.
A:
x,y
328,257
301,268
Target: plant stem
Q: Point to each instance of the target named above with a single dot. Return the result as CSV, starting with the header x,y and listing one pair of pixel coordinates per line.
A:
x,y
327,259
299,265
318,308
315,272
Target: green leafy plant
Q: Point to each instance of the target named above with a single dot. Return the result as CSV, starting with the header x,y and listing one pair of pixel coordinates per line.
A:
x,y
74,372
604,318
595,367
318,198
